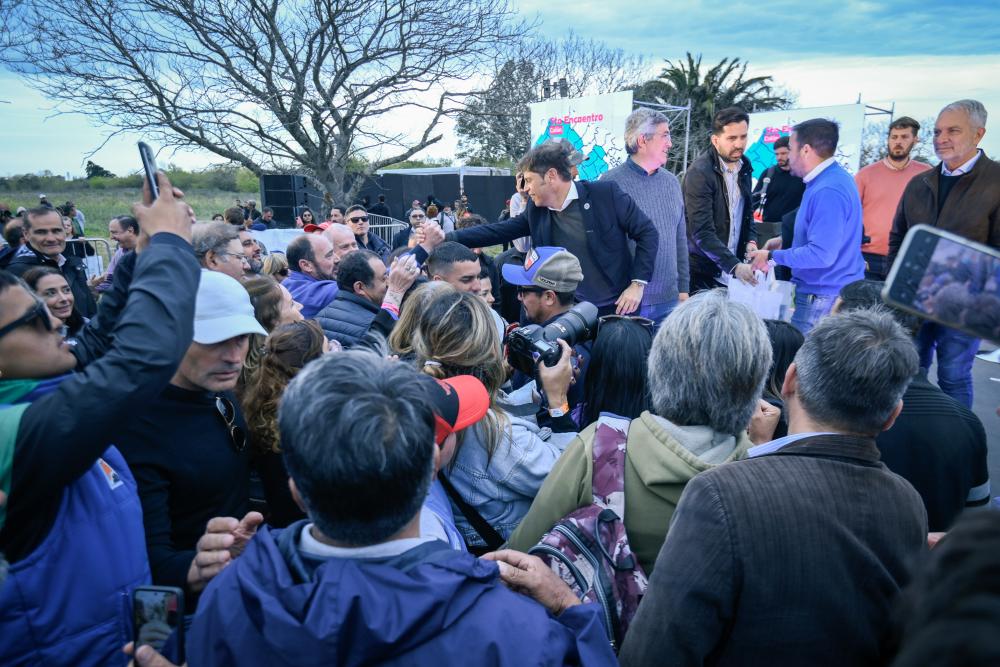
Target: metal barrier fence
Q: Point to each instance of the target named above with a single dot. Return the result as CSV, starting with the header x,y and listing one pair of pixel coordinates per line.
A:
x,y
97,263
385,227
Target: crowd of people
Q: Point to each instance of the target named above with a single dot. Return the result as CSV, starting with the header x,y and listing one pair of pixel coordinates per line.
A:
x,y
578,451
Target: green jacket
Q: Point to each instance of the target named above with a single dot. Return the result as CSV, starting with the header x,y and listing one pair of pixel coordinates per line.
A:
x,y
657,467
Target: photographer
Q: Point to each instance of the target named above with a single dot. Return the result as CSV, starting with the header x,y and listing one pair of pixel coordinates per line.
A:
x,y
546,285
499,464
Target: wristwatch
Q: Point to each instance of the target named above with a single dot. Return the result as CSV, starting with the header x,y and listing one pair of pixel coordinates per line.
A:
x,y
559,411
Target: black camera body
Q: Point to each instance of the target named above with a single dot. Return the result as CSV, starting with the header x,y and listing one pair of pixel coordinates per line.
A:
x,y
527,344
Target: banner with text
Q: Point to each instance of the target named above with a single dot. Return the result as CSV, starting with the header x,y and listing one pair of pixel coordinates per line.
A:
x,y
594,125
767,126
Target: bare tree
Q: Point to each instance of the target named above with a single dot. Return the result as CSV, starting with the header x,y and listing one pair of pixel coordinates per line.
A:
x,y
304,85
494,126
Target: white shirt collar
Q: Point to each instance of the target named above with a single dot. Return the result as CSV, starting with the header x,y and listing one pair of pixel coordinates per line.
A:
x,y
310,545
730,168
964,169
570,196
775,445
818,169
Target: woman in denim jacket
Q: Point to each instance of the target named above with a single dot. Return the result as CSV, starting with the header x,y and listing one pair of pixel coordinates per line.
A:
x,y
501,462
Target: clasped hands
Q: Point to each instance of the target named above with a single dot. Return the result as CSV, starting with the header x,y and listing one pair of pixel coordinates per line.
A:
x,y
758,260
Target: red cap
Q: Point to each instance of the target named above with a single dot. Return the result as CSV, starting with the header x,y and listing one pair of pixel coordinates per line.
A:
x,y
310,228
462,401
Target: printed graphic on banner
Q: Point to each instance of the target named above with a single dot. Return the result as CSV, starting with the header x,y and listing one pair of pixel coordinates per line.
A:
x,y
594,125
766,127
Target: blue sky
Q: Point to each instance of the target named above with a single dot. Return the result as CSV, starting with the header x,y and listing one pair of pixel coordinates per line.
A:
x,y
828,52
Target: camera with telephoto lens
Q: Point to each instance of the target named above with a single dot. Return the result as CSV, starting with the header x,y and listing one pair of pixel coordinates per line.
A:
x,y
527,344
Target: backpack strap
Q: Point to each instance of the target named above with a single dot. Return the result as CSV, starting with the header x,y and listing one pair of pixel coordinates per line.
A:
x,y
490,536
609,463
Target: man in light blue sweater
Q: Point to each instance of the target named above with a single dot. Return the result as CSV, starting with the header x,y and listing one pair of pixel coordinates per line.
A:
x,y
657,193
826,249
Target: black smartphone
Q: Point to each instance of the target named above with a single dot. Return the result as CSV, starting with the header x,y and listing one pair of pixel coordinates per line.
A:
x,y
149,166
158,620
947,279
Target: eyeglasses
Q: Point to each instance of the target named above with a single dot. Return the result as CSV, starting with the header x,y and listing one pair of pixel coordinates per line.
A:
x,y
418,217
644,322
236,434
363,218
241,256
38,312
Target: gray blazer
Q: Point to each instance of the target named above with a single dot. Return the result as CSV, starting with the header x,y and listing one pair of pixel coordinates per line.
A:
x,y
791,558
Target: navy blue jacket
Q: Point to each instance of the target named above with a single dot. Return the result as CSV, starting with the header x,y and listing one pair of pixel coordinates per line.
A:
x,y
428,606
74,533
611,219
347,318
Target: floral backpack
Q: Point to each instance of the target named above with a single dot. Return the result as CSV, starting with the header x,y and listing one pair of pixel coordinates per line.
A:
x,y
589,549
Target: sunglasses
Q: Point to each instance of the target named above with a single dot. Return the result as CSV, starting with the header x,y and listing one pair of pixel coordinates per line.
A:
x,y
521,289
418,217
363,218
38,312
237,436
644,322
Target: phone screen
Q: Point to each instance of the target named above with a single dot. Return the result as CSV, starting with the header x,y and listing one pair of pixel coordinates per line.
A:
x,y
157,618
959,287
149,167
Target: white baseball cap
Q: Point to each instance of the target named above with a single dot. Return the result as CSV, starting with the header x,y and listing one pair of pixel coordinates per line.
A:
x,y
222,310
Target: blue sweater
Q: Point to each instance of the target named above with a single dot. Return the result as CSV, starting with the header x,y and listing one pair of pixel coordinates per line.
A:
x,y
826,250
313,294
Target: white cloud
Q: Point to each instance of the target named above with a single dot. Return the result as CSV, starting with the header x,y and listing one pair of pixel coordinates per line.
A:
x,y
920,86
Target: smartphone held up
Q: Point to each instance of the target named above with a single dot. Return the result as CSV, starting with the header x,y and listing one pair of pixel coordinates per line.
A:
x,y
949,280
149,167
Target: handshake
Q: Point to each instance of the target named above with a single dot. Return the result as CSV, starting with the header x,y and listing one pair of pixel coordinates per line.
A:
x,y
429,235
757,260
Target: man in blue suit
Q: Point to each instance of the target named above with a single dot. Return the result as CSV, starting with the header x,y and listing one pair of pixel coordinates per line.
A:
x,y
594,220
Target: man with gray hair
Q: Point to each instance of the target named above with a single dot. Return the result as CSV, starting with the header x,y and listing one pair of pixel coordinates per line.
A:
x,y
810,538
707,368
961,195
217,246
657,193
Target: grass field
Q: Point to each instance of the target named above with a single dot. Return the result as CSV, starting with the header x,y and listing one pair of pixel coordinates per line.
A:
x,y
101,205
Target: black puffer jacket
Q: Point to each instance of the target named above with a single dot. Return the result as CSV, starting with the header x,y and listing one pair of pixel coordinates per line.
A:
x,y
347,318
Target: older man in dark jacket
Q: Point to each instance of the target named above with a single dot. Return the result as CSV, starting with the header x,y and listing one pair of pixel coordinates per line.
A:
x,y
794,556
961,195
595,221
46,246
362,280
720,227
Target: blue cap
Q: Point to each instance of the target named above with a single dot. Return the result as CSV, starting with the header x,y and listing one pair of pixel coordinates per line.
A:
x,y
550,268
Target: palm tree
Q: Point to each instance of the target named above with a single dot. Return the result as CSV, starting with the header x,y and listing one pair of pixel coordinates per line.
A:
x,y
723,85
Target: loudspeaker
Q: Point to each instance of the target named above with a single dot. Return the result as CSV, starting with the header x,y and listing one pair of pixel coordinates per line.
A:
x,y
289,195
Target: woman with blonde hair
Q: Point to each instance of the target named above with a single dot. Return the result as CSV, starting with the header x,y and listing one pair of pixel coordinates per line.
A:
x,y
401,338
500,463
276,266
